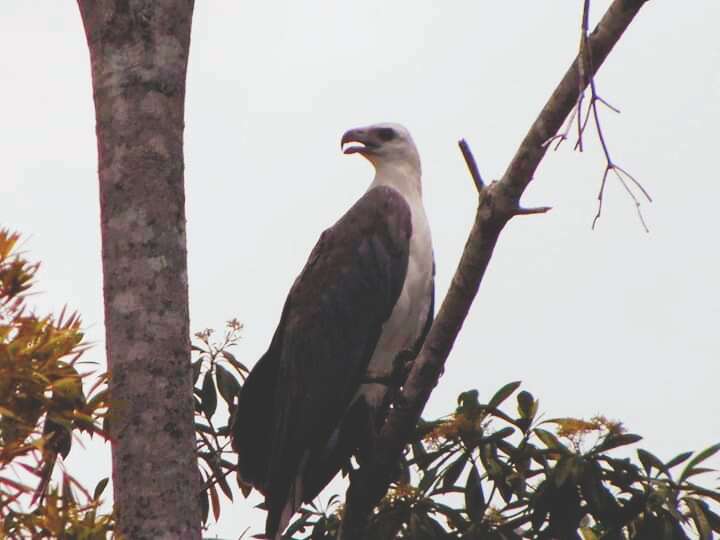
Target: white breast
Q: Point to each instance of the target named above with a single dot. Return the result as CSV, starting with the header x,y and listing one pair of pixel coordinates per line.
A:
x,y
407,320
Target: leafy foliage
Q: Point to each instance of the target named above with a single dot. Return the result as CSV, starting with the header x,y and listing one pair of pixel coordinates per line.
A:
x,y
216,371
487,473
42,406
491,471
483,472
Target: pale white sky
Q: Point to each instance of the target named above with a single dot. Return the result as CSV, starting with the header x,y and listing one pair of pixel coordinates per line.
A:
x,y
612,321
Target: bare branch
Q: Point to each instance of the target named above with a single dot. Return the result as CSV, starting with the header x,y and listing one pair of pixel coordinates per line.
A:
x,y
637,184
497,203
586,76
617,170
611,166
585,56
480,185
471,164
530,211
613,109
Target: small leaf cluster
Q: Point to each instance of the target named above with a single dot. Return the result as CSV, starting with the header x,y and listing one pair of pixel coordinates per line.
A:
x,y
217,374
487,473
43,406
62,514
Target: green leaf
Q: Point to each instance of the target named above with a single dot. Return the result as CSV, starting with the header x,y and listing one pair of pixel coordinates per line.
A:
x,y
474,496
319,529
714,495
697,470
452,473
527,406
713,519
227,384
215,500
429,524
203,428
427,480
492,464
468,402
242,368
614,441
209,395
677,460
245,489
454,518
204,506
540,504
650,461
562,470
502,394
418,450
69,388
550,440
196,365
601,503
697,512
100,487
702,456
500,434
213,462
299,525
422,527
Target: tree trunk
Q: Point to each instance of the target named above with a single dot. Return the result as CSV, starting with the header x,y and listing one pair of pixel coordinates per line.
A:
x,y
139,52
498,203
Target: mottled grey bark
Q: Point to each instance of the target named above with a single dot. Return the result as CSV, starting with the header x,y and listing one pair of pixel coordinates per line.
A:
x,y
139,52
497,204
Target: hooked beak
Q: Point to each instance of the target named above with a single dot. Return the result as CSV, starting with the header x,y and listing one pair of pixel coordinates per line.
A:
x,y
361,136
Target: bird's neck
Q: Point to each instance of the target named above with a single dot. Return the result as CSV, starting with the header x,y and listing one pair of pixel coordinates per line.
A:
x,y
404,177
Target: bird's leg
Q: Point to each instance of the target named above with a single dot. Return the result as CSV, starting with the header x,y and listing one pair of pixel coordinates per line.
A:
x,y
368,436
373,419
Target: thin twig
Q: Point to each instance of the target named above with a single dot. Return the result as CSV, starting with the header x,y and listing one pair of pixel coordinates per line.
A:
x,y
471,164
634,181
563,135
604,102
583,69
610,166
585,65
588,115
600,197
213,480
616,170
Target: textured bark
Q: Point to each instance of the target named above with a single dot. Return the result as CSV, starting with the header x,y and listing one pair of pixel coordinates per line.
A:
x,y
498,203
139,52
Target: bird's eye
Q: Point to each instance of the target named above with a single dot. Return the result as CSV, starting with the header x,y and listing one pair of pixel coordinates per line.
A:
x,y
386,134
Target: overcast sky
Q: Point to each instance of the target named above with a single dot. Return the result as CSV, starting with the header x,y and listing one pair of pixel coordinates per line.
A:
x,y
612,321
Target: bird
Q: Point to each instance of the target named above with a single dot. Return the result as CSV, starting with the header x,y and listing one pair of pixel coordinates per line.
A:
x,y
364,298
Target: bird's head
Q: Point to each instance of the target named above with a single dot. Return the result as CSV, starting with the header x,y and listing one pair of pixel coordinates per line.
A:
x,y
382,144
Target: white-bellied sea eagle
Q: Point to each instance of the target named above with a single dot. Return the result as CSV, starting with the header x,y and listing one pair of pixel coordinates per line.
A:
x,y
365,295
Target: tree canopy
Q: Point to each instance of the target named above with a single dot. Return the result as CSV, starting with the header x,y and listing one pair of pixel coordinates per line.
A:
x,y
43,408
